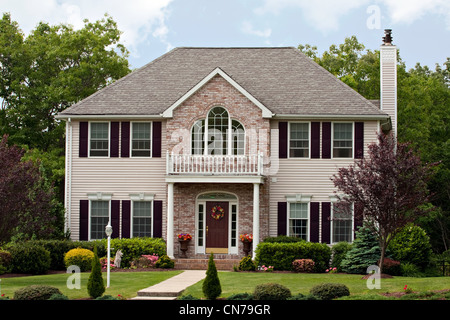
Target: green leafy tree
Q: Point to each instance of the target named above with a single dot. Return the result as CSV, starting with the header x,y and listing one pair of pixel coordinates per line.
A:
x,y
211,285
96,285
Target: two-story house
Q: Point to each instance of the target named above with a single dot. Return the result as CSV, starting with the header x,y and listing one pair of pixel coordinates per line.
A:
x,y
219,142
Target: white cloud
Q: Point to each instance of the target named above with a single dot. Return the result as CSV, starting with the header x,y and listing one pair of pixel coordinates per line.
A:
x,y
138,19
247,28
325,15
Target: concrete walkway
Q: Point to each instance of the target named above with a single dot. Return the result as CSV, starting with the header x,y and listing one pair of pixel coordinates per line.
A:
x,y
169,289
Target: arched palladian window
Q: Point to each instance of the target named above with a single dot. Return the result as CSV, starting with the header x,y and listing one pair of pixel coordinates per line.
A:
x,y
218,140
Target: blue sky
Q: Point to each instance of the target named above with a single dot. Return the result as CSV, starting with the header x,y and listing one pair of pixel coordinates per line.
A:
x,y
421,28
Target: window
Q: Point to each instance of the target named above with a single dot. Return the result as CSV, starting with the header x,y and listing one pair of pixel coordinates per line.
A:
x,y
233,225
99,139
201,224
142,219
218,140
342,140
298,220
141,139
298,140
99,219
342,223
198,142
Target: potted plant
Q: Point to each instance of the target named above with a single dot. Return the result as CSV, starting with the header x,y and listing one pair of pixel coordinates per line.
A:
x,y
184,239
246,239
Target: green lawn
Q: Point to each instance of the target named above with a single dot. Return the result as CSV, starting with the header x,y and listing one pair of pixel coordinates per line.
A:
x,y
239,282
127,284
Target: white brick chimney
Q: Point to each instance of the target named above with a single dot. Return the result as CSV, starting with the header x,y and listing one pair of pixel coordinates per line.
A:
x,y
388,76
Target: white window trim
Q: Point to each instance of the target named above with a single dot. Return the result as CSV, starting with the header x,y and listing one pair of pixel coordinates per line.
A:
x,y
144,198
151,139
299,198
352,235
109,140
353,140
309,140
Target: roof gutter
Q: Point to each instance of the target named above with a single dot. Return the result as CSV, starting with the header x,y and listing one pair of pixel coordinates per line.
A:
x,y
333,116
108,116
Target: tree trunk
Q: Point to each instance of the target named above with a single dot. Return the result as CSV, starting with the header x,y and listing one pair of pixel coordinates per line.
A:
x,y
383,246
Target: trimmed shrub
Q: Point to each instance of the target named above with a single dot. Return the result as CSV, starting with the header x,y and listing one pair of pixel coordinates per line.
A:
x,y
391,267
107,297
241,296
30,258
247,264
303,265
211,286
5,261
281,255
165,262
283,239
36,292
271,291
329,291
338,252
96,286
79,257
57,296
412,245
134,248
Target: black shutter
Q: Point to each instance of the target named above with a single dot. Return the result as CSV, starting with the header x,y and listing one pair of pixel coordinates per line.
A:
x,y
282,218
283,140
326,140
314,226
83,140
114,141
126,218
115,217
84,220
315,140
157,218
326,223
125,140
156,144
359,140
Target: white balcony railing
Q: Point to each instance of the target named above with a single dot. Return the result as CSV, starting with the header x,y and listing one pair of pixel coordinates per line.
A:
x,y
214,165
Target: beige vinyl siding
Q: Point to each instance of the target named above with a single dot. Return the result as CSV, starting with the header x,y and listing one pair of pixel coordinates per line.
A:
x,y
308,176
117,176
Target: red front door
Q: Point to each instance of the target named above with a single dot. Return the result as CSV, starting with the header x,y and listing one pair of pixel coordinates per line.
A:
x,y
217,227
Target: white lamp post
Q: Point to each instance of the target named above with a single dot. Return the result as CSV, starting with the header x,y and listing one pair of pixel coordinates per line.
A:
x,y
108,231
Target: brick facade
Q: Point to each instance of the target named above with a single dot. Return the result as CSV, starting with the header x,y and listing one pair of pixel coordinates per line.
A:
x,y
218,92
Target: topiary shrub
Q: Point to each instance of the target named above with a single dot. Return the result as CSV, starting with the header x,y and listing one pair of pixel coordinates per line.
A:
x,y
271,291
36,292
247,264
96,286
412,245
329,291
303,265
79,257
211,285
30,258
165,262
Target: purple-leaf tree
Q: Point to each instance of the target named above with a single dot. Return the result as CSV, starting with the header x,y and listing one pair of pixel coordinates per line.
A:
x,y
388,187
25,201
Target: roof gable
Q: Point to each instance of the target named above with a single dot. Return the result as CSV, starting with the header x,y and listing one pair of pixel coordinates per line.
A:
x,y
266,113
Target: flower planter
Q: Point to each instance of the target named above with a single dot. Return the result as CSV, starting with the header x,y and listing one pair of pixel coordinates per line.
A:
x,y
184,247
247,247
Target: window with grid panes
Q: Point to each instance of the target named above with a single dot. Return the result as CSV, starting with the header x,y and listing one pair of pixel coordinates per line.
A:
x,y
298,220
99,219
298,140
342,140
99,139
142,218
141,139
342,224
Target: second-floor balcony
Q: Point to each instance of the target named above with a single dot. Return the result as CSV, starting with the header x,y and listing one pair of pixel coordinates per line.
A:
x,y
221,165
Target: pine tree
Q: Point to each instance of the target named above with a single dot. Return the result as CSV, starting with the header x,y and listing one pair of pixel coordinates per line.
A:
x,y
365,252
211,286
96,286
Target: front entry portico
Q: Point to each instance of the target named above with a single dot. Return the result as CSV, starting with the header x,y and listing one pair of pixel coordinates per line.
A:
x,y
218,220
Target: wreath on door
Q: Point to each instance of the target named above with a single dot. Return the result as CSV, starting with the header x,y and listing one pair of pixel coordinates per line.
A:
x,y
217,212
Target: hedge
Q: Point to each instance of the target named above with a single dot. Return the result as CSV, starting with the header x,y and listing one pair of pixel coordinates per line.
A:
x,y
281,255
131,249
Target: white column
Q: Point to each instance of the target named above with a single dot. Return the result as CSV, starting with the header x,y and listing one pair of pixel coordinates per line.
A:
x,y
169,240
255,217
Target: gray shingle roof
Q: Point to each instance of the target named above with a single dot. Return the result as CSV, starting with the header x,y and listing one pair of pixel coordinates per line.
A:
x,y
283,79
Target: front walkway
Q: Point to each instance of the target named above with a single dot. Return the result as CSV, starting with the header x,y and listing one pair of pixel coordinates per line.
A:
x,y
171,288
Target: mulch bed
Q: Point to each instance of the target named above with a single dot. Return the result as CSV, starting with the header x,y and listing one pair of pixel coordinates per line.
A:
x,y
12,275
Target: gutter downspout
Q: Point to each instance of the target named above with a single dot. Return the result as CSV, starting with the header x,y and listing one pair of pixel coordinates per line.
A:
x,y
68,174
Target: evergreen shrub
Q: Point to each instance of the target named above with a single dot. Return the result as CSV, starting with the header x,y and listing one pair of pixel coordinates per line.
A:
x,y
79,257
165,262
329,291
36,292
30,258
211,285
96,286
247,264
271,291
